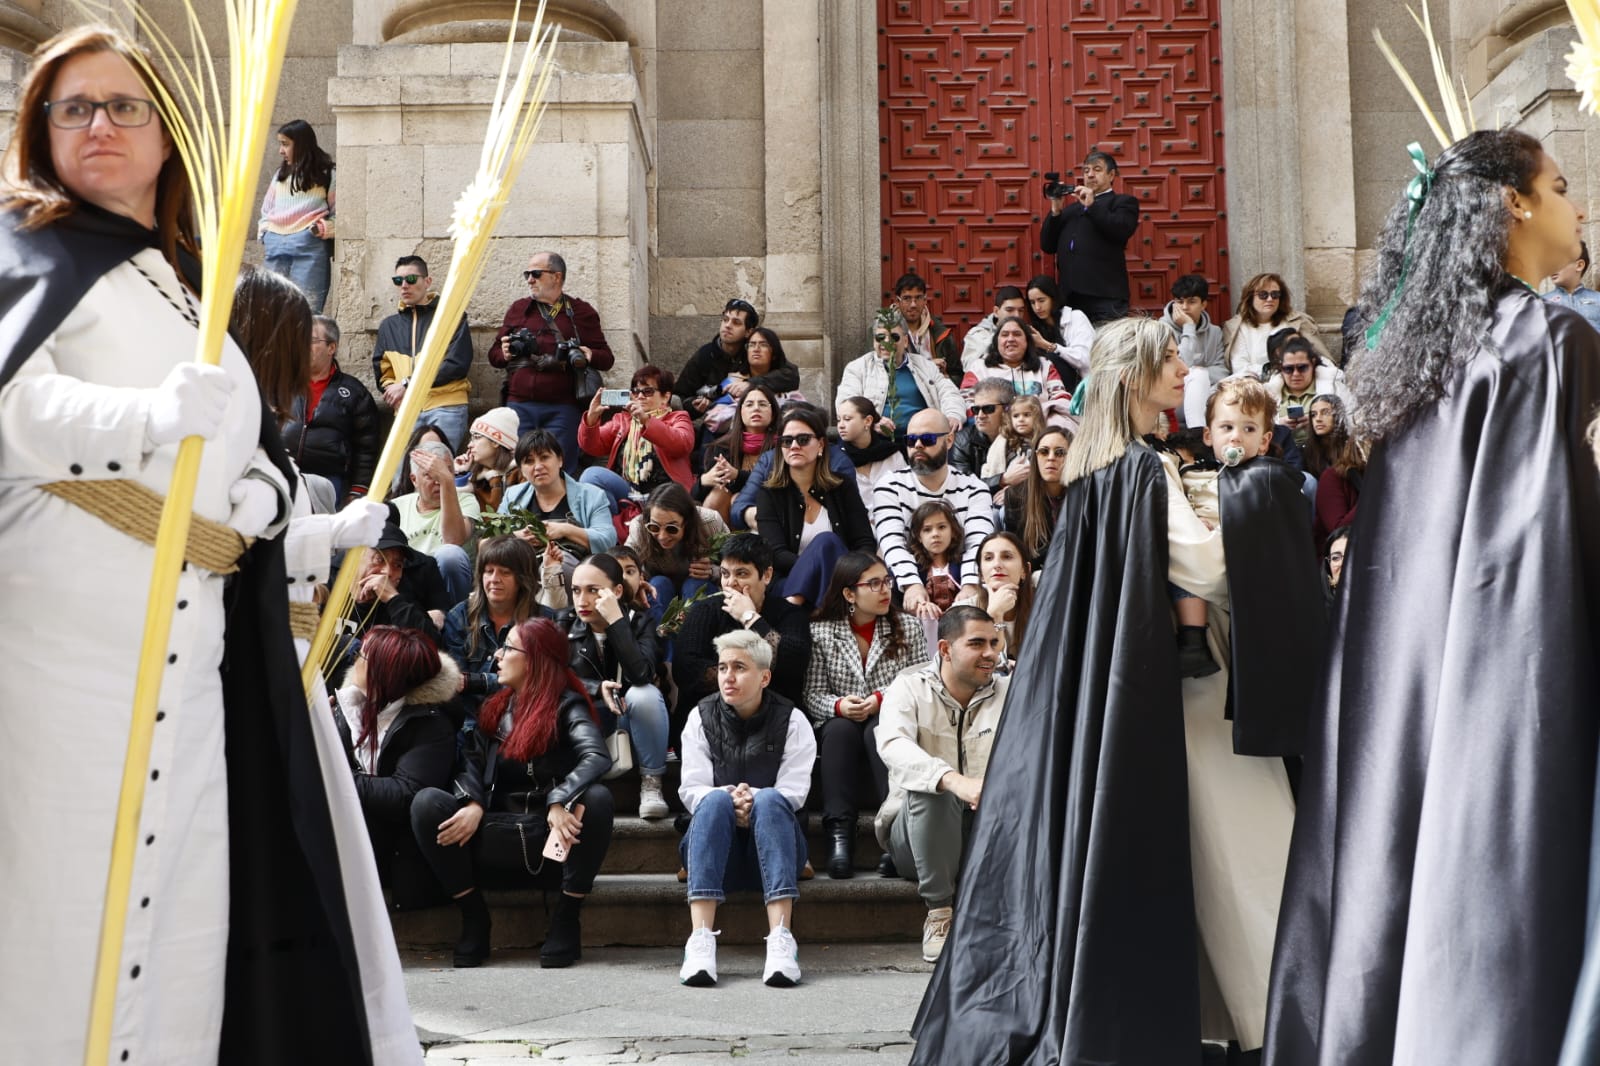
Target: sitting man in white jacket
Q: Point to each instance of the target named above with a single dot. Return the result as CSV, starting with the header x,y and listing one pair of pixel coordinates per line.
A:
x,y
935,731
900,382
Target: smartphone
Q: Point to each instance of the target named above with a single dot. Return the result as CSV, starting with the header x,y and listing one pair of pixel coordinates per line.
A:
x,y
613,397
553,847
1297,411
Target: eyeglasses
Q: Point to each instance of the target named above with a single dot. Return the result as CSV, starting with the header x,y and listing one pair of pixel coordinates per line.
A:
x,y
510,647
535,275
1051,453
671,529
1263,294
912,297
756,402
988,408
1296,368
887,338
643,391
317,338
797,440
1336,557
926,440
128,112
876,584
408,279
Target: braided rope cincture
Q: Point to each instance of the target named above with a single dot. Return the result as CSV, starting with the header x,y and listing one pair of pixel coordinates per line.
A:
x,y
135,509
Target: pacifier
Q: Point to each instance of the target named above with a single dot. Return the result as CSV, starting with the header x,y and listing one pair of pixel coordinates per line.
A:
x,y
1232,455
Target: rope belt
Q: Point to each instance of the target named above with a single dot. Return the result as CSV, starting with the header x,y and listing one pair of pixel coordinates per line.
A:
x,y
131,508
303,618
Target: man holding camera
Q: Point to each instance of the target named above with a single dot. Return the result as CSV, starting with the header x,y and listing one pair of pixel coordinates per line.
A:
x,y
399,343
1087,230
545,343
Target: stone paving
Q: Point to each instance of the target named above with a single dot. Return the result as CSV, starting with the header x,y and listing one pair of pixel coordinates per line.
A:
x,y
854,1007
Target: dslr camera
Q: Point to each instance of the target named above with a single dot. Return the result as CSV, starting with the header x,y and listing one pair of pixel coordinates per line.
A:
x,y
1054,187
523,346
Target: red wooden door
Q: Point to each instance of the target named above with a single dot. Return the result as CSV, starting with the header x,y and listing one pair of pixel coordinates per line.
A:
x,y
979,98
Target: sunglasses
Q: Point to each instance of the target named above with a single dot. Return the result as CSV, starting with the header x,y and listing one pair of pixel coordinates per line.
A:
x,y
738,305
988,408
535,275
887,338
794,440
1296,368
671,529
406,279
877,584
643,391
1263,294
1051,453
926,440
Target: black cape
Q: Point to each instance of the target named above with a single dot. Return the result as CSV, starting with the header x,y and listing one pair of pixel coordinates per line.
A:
x,y
1277,615
1435,901
1074,939
293,986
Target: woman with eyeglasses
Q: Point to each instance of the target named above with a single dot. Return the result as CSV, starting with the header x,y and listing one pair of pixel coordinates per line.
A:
x,y
98,385
645,444
1013,358
859,642
763,363
673,539
728,460
1329,421
1264,308
1032,513
505,586
808,514
1333,550
296,225
527,808
392,712
898,381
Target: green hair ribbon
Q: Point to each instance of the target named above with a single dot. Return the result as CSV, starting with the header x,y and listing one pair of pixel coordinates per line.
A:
x,y
1416,195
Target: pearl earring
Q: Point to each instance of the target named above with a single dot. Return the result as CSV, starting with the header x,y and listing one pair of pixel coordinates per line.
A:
x,y
1527,214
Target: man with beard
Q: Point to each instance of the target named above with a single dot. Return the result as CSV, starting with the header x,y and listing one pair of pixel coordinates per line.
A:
x,y
723,355
929,478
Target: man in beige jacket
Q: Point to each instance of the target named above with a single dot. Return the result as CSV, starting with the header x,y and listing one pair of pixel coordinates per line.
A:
x,y
935,730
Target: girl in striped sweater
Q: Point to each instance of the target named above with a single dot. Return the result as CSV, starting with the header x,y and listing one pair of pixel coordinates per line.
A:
x,y
296,224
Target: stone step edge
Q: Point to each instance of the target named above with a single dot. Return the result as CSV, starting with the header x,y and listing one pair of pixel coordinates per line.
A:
x,y
616,890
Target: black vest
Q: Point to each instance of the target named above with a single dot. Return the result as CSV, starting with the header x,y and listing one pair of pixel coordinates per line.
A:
x,y
746,750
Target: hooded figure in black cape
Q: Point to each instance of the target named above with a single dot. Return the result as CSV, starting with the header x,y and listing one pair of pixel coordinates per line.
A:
x,y
1074,938
1435,904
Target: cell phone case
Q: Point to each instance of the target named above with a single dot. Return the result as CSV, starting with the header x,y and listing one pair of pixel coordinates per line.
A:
x,y
553,847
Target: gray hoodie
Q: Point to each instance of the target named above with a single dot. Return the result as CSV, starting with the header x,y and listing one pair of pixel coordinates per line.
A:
x,y
1200,345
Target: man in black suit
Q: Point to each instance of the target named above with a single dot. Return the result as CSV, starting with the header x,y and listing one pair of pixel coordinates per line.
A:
x,y
1088,233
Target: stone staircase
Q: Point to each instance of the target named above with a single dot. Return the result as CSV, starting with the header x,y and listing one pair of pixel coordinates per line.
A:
x,y
638,900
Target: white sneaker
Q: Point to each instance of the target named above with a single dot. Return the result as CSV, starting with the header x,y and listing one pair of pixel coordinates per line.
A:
x,y
699,969
651,802
783,959
935,930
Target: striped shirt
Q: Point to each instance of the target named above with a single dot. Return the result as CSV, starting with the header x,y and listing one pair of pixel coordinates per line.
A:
x,y
896,498
285,212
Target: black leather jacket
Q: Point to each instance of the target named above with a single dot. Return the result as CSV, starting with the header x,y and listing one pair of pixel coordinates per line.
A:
x,y
968,452
631,645
575,761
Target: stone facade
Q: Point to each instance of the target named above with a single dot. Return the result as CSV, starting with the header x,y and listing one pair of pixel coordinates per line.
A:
x,y
702,149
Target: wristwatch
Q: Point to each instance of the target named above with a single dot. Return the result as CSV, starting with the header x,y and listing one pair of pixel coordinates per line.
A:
x,y
748,617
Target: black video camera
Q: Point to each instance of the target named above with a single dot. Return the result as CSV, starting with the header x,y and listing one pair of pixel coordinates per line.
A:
x,y
1054,187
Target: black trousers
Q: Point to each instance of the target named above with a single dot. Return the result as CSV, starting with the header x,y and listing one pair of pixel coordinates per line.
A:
x,y
1096,309
853,777
506,851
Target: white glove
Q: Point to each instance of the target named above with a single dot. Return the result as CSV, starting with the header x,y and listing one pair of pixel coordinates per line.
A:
x,y
190,403
255,505
359,525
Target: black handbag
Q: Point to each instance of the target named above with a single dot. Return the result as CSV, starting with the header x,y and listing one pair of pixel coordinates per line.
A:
x,y
585,384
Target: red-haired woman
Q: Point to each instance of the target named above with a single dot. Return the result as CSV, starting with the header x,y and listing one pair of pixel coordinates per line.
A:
x,y
399,738
531,771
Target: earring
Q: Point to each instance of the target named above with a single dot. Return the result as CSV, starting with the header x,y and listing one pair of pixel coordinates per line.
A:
x,y
1527,214
850,610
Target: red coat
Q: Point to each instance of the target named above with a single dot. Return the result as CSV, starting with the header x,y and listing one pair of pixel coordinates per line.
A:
x,y
672,434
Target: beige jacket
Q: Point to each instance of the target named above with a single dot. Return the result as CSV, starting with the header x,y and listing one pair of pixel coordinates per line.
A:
x,y
923,734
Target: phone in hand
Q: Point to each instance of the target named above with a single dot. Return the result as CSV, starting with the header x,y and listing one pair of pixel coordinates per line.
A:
x,y
1297,411
554,848
613,397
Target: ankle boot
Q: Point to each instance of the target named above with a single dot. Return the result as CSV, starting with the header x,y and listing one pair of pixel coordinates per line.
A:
x,y
1194,656
841,834
473,947
563,943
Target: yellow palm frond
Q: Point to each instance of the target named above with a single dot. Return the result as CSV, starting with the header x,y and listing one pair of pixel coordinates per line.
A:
x,y
1583,61
514,116
1458,118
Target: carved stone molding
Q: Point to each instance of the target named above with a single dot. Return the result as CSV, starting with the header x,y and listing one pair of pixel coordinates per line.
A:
x,y
483,21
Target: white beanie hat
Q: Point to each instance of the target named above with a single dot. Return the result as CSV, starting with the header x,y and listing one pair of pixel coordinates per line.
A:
x,y
500,426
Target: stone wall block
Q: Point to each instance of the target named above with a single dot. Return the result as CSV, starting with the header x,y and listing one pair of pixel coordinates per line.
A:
x,y
695,223
674,339
454,89
708,25
710,85
396,187
351,192
450,125
613,183
700,287
394,60
363,92
371,126
592,88
588,125
712,154
794,283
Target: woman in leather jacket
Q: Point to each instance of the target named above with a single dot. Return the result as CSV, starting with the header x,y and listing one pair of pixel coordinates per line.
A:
x,y
528,785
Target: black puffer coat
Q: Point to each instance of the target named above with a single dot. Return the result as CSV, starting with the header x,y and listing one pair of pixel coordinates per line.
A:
x,y
341,439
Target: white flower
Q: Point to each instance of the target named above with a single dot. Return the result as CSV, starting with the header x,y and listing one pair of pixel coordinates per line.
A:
x,y
1583,68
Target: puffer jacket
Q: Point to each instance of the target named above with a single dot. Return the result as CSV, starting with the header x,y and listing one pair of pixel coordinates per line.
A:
x,y
923,734
561,774
340,440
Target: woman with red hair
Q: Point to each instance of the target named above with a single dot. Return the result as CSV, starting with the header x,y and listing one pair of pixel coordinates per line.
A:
x,y
528,789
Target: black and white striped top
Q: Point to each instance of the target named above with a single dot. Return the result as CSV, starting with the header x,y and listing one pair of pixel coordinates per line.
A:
x,y
896,498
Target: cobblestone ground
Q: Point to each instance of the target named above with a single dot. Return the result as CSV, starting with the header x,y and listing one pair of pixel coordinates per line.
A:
x,y
853,1008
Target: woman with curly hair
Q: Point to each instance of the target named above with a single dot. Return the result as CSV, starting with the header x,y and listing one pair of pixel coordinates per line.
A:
x,y
1471,725
1329,425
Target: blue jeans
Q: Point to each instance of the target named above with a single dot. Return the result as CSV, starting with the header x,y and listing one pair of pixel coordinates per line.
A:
x,y
666,591
813,570
303,258
452,421
456,569
722,858
645,719
616,486
561,419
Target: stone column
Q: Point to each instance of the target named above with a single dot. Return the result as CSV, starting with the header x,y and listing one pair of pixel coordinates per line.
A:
x,y
411,120
1326,154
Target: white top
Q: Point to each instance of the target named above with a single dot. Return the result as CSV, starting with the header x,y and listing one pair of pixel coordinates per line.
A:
x,y
794,773
815,528
1250,348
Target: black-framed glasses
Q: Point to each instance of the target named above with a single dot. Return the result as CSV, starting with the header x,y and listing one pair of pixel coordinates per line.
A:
x,y
988,408
1051,453
671,529
510,647
643,391
128,112
1263,294
406,279
876,584
797,440
1296,368
926,440
535,275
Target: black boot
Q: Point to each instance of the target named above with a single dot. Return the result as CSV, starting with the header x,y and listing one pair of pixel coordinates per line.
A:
x,y
886,867
1194,657
473,947
841,846
563,943
1236,1057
